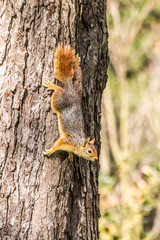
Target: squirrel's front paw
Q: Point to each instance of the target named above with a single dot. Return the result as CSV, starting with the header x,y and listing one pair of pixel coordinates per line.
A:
x,y
47,152
46,83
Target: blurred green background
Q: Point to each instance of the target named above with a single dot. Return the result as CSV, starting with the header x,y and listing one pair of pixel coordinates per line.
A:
x,y
130,154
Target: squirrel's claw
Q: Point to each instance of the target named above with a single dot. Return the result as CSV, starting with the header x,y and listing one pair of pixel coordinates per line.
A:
x,y
47,153
46,83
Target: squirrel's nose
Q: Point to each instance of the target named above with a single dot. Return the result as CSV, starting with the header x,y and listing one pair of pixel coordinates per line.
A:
x,y
95,158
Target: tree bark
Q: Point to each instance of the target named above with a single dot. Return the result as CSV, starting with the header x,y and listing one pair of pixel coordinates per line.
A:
x,y
40,197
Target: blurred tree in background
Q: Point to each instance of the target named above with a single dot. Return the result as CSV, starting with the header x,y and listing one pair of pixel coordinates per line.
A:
x,y
130,156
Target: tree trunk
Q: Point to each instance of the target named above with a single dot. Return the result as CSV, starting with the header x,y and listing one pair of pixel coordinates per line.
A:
x,y
40,197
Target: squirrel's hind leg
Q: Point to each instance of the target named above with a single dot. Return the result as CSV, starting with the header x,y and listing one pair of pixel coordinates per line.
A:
x,y
60,144
50,85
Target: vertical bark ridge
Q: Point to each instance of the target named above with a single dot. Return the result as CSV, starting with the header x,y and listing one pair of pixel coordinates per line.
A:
x,y
91,43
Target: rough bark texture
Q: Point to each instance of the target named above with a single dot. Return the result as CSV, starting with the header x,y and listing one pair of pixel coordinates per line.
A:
x,y
47,198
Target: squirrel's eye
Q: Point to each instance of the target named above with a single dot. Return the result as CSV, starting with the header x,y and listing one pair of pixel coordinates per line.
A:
x,y
89,151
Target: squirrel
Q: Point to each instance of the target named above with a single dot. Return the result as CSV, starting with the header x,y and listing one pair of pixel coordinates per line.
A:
x,y
66,103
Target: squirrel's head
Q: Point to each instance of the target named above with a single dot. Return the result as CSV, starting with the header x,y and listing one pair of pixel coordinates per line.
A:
x,y
87,150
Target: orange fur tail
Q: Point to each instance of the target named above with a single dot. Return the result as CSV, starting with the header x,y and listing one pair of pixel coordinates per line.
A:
x,y
64,63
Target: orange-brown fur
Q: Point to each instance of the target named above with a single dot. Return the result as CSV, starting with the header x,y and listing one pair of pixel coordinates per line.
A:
x,y
63,63
69,112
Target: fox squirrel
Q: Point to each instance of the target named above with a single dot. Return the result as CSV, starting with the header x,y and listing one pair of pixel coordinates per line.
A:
x,y
66,103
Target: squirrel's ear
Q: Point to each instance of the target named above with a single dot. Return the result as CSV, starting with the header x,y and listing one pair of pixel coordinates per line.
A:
x,y
82,145
87,139
86,142
92,141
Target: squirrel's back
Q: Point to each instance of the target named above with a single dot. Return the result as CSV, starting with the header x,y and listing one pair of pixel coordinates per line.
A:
x,y
64,60
66,103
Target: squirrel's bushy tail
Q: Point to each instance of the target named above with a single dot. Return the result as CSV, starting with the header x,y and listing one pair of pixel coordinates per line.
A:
x,y
64,60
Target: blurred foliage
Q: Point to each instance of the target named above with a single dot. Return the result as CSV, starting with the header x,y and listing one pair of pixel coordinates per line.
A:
x,y
130,155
